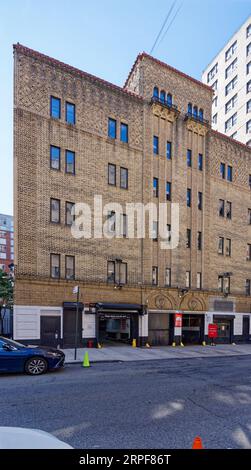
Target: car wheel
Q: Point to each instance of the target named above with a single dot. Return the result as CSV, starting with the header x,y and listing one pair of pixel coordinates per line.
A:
x,y
36,366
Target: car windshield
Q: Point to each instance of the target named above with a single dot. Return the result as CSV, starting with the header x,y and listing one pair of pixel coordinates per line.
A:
x,y
12,343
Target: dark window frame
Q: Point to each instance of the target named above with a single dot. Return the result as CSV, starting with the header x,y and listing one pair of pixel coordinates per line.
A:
x,y
52,97
127,172
189,158
125,125
59,211
156,194
73,173
51,160
189,197
59,265
155,145
111,136
66,113
115,174
74,275
169,150
200,162
110,281
169,193
157,276
221,210
73,204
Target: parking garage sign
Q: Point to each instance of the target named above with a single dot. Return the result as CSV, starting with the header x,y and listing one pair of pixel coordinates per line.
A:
x,y
178,320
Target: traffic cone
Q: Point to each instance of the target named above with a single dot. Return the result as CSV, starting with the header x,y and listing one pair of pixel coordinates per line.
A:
x,y
86,362
197,443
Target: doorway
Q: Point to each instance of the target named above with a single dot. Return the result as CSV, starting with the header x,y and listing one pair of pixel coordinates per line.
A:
x,y
193,329
50,330
225,330
69,324
246,329
117,329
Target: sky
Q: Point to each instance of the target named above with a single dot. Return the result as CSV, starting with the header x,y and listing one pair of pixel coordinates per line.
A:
x,y
103,37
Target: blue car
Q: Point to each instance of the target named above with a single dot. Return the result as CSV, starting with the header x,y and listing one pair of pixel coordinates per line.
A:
x,y
16,357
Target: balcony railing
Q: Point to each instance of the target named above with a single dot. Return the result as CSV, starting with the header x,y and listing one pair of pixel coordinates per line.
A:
x,y
196,118
166,104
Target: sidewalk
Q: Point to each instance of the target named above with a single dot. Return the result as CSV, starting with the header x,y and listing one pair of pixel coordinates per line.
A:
x,y
127,353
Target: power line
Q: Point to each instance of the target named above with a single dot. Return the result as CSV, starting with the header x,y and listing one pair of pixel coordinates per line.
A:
x,y
170,24
164,24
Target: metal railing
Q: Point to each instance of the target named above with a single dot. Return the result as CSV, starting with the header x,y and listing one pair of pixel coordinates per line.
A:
x,y
196,118
166,104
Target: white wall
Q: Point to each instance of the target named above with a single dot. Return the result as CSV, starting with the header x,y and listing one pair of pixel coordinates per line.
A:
x,y
89,325
26,320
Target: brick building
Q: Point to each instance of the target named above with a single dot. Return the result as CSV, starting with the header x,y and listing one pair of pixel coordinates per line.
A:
x,y
77,136
6,242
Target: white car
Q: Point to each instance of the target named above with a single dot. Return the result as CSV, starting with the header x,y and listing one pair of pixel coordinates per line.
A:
x,y
22,438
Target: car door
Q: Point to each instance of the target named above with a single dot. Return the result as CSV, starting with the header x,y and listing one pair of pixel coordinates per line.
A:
x,y
13,360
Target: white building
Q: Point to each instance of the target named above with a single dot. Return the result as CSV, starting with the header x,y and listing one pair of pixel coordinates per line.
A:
x,y
229,73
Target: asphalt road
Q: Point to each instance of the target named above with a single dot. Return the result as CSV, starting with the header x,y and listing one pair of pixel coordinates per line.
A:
x,y
156,404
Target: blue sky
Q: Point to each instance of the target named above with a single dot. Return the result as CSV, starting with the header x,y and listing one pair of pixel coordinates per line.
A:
x,y
104,38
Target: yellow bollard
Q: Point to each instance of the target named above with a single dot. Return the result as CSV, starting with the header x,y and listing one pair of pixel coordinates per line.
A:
x,y
174,344
148,345
86,362
99,346
134,343
204,343
182,345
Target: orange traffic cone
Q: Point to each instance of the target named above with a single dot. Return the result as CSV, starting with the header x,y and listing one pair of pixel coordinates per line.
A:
x,y
197,443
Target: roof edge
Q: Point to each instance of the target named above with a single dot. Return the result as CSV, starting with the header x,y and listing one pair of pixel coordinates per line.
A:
x,y
230,139
167,66
69,68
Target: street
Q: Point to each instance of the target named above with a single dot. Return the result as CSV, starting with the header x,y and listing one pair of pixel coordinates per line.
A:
x,y
150,404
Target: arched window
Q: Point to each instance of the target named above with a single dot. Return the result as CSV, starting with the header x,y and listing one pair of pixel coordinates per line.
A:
x,y
195,111
156,92
169,99
163,96
190,108
201,114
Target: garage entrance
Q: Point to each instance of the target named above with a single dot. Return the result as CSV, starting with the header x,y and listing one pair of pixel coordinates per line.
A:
x,y
192,329
158,329
225,329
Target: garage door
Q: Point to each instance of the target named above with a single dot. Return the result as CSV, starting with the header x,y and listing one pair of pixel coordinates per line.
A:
x,y
158,329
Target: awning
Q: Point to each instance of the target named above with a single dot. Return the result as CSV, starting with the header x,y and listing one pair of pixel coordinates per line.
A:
x,y
120,308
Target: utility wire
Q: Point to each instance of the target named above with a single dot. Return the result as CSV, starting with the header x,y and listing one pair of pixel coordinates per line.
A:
x,y
170,24
163,26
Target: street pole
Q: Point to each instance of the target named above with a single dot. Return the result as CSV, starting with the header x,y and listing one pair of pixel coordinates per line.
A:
x,y
76,326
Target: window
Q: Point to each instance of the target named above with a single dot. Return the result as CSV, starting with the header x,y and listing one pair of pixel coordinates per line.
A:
x,y
70,267
2,255
168,191
248,67
201,114
229,173
249,181
231,68
249,106
249,31
124,132
214,119
188,241
69,213
223,170
229,210
200,201
188,279
189,158
55,211
155,145
124,178
215,85
154,276
248,252
221,246
189,194
215,101
248,287
169,230
249,216
155,231
156,92
111,222
248,127
168,277
231,85
231,122
211,74
55,107
111,174
70,162
70,113
228,247
220,283
169,99
234,135
195,111
121,273
189,109
169,150
112,128
199,241
248,49
55,157
200,162
231,50
231,104
124,225
249,86
163,96
221,208
199,280
55,266
155,187
111,271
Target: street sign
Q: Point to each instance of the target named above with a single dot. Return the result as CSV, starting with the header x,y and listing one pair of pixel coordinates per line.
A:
x,y
75,290
212,330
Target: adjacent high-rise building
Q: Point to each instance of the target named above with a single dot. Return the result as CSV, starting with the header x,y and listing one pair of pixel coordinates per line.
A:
x,y
6,242
77,138
229,74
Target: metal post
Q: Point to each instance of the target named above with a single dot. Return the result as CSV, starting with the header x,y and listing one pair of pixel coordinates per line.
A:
x,y
76,326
